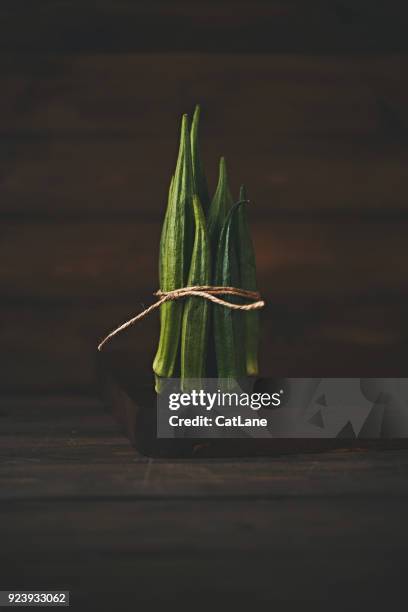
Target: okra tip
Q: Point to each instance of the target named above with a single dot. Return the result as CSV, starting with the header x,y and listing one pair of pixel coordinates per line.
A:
x,y
222,174
184,137
185,128
194,128
231,212
242,201
237,205
197,112
242,193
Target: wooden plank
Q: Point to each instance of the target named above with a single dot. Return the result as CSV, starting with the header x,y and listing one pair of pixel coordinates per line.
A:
x,y
143,95
54,178
53,348
319,27
292,551
332,309
46,348
82,512
112,262
117,475
66,447
78,464
99,133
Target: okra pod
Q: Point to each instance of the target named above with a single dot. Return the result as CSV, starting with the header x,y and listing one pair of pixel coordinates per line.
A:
x,y
237,315
200,181
162,253
194,330
193,343
247,273
226,331
175,252
220,205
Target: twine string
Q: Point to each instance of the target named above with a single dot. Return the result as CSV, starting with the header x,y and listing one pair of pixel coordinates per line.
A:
x,y
207,292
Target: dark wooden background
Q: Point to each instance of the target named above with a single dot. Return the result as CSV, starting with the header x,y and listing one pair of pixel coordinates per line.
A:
x,y
308,101
309,104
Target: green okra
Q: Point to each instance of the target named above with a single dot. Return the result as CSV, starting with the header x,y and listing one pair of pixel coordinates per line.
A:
x,y
237,315
162,253
193,342
220,205
247,273
175,253
227,322
194,330
200,181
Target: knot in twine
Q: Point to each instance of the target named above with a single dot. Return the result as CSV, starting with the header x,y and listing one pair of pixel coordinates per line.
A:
x,y
207,292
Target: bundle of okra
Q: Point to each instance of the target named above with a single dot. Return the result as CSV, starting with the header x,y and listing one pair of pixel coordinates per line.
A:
x,y
204,243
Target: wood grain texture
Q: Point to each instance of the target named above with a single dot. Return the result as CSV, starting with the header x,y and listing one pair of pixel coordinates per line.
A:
x,y
292,551
98,133
336,298
142,95
257,26
87,144
90,99
83,512
67,447
109,262
55,178
53,347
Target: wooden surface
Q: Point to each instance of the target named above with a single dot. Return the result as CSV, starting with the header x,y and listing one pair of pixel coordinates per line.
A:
x,y
80,510
87,145
317,26
97,134
309,104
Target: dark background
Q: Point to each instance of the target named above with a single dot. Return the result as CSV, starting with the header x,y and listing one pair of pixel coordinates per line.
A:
x,y
307,101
